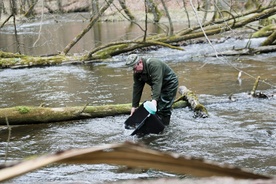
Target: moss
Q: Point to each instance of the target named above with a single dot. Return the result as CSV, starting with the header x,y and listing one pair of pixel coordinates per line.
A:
x,y
23,60
23,109
265,31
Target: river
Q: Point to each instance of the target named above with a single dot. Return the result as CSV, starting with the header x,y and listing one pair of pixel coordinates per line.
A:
x,y
240,132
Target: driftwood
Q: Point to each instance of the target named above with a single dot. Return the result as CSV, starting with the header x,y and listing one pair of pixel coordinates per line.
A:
x,y
131,155
192,99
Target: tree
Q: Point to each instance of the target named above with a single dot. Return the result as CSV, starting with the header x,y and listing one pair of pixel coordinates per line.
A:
x,y
251,4
152,8
211,27
2,9
126,10
169,18
95,7
93,20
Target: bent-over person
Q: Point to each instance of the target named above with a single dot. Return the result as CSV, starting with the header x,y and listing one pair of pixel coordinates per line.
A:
x,y
160,77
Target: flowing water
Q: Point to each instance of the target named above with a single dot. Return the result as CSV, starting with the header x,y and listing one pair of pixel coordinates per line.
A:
x,y
240,132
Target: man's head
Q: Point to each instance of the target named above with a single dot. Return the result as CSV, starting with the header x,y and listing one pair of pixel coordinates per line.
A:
x,y
132,60
135,62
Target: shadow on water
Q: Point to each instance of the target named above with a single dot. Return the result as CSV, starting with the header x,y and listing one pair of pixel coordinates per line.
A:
x,y
240,132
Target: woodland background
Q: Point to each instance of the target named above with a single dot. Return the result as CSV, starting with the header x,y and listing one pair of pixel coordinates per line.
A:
x,y
203,18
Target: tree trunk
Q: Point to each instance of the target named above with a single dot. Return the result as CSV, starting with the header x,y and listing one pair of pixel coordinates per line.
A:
x,y
59,5
95,7
206,9
2,9
169,18
30,11
146,22
126,10
90,25
187,13
14,11
154,10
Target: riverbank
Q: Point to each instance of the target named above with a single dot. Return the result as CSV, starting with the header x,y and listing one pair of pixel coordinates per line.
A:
x,y
113,13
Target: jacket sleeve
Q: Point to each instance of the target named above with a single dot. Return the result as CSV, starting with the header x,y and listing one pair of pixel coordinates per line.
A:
x,y
138,87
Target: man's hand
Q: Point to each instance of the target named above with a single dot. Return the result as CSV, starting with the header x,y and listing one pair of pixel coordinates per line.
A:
x,y
133,109
154,102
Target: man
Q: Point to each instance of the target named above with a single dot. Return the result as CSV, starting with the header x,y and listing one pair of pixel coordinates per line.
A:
x,y
162,80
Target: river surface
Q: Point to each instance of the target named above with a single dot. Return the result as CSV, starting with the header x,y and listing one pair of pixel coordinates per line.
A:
x,y
240,132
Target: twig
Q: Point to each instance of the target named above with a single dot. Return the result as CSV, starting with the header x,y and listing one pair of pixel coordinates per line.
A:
x,y
6,21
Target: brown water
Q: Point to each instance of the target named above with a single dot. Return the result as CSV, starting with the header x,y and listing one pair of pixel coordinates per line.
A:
x,y
241,133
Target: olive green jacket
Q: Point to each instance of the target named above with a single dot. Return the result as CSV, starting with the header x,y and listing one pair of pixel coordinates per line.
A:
x,y
155,73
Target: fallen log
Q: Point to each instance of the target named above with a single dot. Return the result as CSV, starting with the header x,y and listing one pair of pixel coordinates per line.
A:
x,y
192,99
20,115
15,61
34,115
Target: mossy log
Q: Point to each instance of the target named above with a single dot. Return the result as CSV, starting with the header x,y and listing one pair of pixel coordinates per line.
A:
x,y
14,60
192,99
193,33
265,31
116,48
34,115
270,40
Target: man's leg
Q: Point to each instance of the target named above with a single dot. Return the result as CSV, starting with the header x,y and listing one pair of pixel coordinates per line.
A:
x,y
165,103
